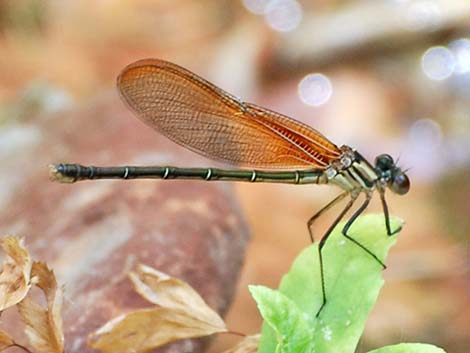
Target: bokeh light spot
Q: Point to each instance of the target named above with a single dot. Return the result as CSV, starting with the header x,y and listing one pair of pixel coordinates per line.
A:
x,y
315,89
438,63
461,50
283,15
257,7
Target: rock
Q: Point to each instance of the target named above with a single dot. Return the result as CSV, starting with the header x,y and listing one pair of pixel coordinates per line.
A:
x,y
92,233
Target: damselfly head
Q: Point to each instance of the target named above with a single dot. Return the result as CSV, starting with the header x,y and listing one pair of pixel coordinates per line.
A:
x,y
396,179
400,183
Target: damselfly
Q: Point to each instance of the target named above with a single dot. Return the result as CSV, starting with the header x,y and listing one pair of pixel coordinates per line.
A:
x,y
207,120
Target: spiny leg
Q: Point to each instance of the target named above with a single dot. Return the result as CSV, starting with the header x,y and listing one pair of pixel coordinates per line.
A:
x,y
322,243
323,210
387,216
352,220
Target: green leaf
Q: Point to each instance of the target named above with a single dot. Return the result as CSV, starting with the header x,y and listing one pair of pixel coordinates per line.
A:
x,y
409,348
352,280
291,326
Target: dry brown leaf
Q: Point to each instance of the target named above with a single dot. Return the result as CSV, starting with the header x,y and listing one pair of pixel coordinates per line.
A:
x,y
44,325
181,314
5,340
163,290
15,275
248,345
144,330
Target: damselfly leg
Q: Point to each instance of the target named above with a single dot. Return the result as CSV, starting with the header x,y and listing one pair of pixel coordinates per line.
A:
x,y
322,211
324,239
349,224
344,232
387,217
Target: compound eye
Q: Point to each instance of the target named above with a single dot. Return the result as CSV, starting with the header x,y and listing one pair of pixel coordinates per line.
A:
x,y
384,162
400,184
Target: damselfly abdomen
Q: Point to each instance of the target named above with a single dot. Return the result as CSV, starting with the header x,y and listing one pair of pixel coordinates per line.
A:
x,y
207,120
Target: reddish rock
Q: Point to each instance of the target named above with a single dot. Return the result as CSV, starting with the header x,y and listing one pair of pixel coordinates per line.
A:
x,y
92,233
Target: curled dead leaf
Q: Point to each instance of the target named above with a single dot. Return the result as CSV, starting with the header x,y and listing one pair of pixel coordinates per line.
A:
x,y
248,345
5,340
15,274
169,292
144,330
44,325
181,314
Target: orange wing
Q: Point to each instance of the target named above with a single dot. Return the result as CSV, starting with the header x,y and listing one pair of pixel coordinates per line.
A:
x,y
205,119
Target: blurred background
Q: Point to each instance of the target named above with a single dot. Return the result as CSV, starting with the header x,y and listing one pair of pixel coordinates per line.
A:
x,y
383,76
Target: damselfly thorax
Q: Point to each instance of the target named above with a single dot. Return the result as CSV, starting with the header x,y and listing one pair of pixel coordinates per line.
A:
x,y
272,147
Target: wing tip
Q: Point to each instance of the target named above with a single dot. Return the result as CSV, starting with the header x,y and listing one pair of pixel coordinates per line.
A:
x,y
136,64
153,62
